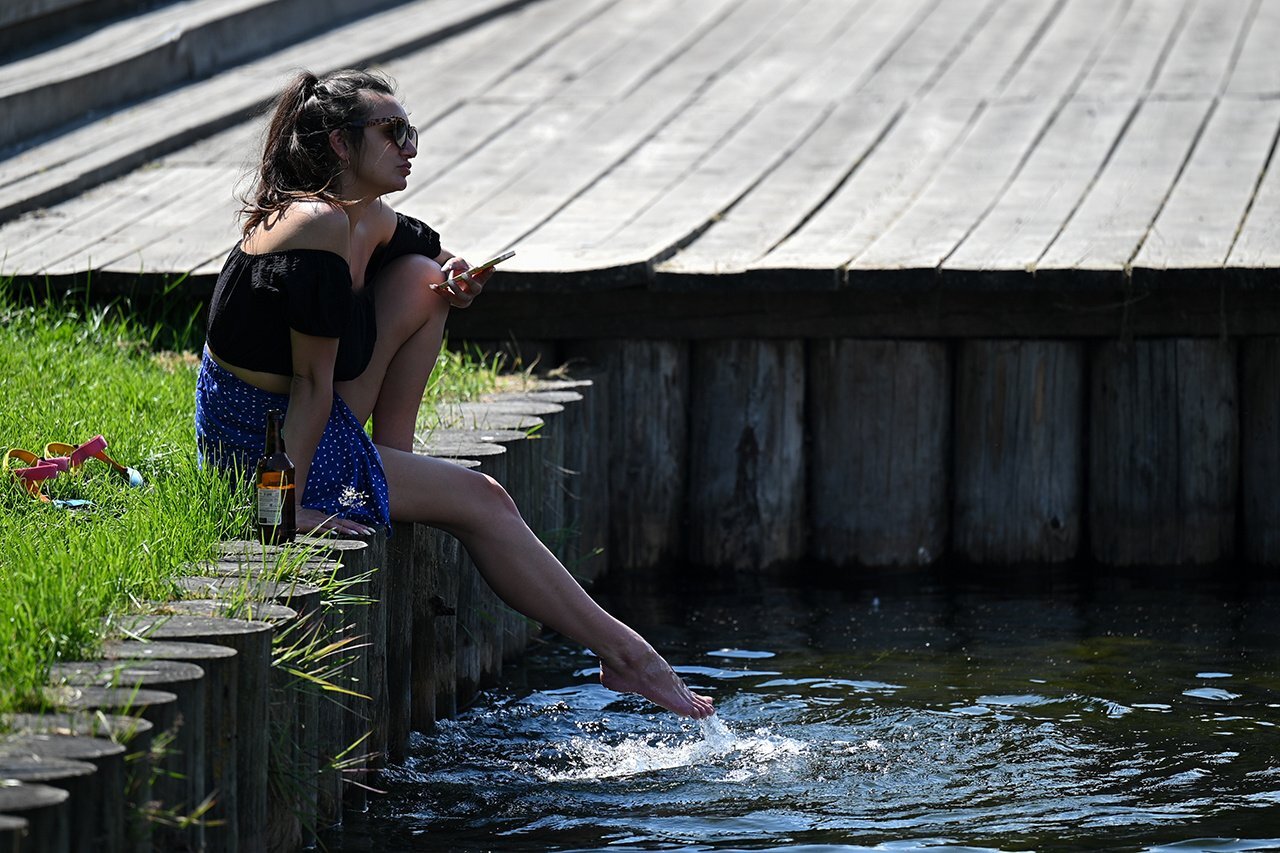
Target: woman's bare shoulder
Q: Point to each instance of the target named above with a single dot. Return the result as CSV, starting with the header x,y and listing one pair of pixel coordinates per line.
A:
x,y
384,220
304,224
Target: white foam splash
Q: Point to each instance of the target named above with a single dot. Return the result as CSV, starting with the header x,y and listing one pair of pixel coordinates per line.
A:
x,y
737,757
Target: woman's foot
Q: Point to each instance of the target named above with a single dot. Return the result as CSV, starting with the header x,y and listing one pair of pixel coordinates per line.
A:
x,y
652,677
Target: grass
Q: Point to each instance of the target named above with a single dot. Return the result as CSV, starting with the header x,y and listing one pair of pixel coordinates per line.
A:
x,y
72,370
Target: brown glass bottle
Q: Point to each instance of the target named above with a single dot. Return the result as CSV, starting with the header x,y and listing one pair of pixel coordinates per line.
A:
x,y
274,499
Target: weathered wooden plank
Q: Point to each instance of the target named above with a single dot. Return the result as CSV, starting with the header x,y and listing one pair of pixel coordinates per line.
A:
x,y
746,487
1163,452
44,238
1106,231
872,33
1200,60
783,198
998,43
880,424
544,43
967,184
1031,211
1038,308
885,182
1199,222
634,231
196,192
580,112
1066,50
934,43
1135,49
1255,71
99,151
1260,450
695,166
607,137
1257,244
1019,451
648,464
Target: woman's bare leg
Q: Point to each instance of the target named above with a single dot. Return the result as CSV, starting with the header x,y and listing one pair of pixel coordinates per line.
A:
x,y
411,319
528,577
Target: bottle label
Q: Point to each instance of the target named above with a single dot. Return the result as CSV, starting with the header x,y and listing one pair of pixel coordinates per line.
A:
x,y
271,501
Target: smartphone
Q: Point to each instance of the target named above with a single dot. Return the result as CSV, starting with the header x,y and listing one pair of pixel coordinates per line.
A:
x,y
492,262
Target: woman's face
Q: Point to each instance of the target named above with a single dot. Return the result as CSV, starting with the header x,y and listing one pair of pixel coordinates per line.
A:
x,y
381,166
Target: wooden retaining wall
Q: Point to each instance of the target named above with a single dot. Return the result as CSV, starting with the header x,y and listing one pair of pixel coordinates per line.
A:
x,y
198,708
750,453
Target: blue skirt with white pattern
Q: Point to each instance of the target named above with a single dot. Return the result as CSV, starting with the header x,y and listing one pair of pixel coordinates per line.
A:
x,y
346,477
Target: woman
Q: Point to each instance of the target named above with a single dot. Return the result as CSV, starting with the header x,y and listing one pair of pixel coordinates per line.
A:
x,y
333,307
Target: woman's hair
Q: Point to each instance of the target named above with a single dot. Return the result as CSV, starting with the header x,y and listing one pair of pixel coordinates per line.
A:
x,y
297,160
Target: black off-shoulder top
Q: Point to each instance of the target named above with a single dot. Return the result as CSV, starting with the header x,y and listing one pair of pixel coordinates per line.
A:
x,y
259,298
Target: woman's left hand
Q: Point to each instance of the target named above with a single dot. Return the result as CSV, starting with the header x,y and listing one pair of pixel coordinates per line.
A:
x,y
458,287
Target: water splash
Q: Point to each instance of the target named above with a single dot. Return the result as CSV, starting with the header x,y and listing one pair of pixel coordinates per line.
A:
x,y
715,744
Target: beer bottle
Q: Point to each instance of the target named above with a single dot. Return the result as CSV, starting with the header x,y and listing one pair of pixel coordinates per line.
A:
x,y
275,501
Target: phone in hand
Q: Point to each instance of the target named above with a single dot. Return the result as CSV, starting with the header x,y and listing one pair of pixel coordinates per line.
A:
x,y
489,264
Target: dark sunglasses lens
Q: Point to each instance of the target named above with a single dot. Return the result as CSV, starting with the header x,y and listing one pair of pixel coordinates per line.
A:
x,y
402,132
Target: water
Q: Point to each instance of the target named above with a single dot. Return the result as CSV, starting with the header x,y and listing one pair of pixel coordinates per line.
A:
x,y
904,712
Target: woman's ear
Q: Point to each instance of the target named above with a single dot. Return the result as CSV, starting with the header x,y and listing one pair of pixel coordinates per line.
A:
x,y
338,142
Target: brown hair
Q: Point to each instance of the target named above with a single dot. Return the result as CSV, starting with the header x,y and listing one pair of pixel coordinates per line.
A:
x,y
297,160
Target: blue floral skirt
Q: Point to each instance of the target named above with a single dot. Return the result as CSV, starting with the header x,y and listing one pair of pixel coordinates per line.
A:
x,y
346,477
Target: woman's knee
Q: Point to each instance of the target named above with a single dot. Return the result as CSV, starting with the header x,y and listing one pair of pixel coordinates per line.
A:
x,y
405,301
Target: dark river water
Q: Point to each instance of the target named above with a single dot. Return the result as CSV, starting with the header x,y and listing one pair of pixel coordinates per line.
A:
x,y
896,712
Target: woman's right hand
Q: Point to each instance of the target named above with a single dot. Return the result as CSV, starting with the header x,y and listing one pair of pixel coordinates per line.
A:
x,y
316,522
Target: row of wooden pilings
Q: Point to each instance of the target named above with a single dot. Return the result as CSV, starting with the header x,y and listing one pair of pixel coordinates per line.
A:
x,y
250,713
759,452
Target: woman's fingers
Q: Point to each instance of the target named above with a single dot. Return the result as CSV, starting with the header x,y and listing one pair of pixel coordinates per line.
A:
x,y
314,521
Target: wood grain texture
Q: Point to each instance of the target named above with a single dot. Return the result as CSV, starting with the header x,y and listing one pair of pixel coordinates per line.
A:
x,y
879,417
746,486
1163,452
1260,450
649,398
1019,452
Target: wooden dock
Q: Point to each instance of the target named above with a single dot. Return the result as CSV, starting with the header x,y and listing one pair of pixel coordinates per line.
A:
x,y
1053,224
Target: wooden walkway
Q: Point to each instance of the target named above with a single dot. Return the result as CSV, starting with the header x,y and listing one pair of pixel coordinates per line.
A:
x,y
762,146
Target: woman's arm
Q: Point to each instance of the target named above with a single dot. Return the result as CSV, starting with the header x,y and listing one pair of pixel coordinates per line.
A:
x,y
310,400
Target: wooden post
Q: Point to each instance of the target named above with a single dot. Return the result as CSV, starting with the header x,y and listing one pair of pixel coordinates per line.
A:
x,y
179,789
119,746
157,707
400,631
219,664
252,642
45,811
1164,452
586,466
747,460
14,832
445,600
649,447
1260,450
880,422
97,797
1019,451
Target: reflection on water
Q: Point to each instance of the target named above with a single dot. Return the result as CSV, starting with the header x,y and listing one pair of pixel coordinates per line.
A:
x,y
903,712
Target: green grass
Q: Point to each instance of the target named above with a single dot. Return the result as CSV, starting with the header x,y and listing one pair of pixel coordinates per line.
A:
x,y
70,371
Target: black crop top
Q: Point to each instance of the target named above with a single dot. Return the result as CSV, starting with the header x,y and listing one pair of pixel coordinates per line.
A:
x,y
259,298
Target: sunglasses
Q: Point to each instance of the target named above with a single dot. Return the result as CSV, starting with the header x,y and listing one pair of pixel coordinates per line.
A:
x,y
402,133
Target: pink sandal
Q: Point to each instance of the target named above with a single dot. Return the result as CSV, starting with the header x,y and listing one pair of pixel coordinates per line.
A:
x,y
32,474
70,458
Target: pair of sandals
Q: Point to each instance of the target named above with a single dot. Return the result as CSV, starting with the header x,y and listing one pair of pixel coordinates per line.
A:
x,y
31,471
